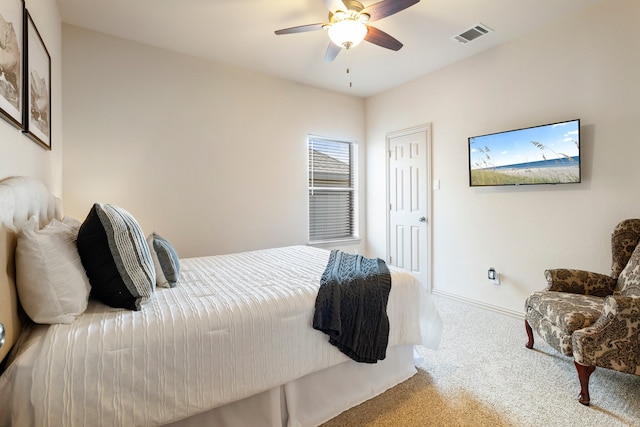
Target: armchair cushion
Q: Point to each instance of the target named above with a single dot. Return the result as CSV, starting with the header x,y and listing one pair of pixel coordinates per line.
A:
x,y
579,282
613,341
557,315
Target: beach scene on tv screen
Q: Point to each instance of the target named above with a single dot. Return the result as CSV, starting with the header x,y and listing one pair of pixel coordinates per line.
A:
x,y
548,154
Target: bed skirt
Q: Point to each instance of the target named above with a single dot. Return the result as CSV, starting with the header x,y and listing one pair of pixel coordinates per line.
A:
x,y
315,398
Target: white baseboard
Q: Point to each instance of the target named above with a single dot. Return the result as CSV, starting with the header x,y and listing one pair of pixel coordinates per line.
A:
x,y
495,308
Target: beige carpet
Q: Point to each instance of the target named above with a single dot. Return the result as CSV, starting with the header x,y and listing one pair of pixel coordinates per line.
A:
x,y
482,375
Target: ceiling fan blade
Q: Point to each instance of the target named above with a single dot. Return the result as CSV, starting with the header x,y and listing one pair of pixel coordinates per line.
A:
x,y
300,29
334,5
382,39
332,51
385,8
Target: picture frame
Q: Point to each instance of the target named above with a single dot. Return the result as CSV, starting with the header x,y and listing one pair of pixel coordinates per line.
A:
x,y
12,18
37,87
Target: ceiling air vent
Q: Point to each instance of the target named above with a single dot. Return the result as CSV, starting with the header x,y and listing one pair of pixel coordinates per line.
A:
x,y
472,33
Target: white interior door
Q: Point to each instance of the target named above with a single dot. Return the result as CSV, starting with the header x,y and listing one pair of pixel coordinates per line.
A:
x,y
408,195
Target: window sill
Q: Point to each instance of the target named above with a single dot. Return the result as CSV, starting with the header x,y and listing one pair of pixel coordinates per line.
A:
x,y
347,241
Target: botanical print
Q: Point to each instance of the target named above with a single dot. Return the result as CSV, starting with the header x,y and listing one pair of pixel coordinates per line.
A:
x,y
38,117
39,102
10,60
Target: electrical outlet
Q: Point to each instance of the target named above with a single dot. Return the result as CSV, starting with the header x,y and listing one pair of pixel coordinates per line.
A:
x,y
493,276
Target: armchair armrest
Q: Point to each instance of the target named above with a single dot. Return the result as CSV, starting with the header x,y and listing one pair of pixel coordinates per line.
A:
x,y
612,342
579,282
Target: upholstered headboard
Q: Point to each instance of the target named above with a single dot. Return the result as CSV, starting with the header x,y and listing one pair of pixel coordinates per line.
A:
x,y
20,199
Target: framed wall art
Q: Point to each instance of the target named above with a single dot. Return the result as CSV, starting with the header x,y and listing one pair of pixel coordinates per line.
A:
x,y
37,93
12,61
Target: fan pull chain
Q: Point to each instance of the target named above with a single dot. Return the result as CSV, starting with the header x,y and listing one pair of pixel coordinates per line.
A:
x,y
349,68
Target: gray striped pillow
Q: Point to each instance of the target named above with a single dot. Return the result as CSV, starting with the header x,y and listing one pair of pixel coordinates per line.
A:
x,y
115,254
165,259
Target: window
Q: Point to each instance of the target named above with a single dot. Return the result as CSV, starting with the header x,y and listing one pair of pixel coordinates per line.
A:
x,y
331,189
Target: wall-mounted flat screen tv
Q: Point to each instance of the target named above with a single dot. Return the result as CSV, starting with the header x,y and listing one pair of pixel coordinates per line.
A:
x,y
547,154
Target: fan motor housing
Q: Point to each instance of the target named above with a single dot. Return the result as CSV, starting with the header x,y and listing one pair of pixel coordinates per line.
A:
x,y
353,7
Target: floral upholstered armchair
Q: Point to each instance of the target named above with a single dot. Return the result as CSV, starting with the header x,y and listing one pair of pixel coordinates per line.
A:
x,y
592,317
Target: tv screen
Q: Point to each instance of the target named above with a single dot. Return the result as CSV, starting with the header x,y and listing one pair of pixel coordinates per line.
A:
x,y
547,154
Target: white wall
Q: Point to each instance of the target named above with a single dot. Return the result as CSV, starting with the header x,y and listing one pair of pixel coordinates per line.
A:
x,y
19,155
211,157
214,158
585,66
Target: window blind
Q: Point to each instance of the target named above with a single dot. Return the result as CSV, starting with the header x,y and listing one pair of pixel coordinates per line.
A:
x,y
331,189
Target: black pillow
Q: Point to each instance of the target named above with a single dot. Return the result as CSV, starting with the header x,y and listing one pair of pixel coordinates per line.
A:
x,y
116,256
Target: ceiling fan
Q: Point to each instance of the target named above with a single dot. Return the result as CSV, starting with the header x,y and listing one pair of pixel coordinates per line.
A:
x,y
348,24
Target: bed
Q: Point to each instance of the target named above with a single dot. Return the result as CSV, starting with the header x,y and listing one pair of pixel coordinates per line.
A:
x,y
231,344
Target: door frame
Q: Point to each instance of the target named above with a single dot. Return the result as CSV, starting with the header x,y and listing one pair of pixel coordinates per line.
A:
x,y
426,128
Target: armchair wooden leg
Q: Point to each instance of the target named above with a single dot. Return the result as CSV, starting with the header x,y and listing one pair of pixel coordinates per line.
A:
x,y
529,343
584,372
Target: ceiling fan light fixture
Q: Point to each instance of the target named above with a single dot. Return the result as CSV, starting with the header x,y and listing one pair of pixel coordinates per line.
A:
x,y
347,33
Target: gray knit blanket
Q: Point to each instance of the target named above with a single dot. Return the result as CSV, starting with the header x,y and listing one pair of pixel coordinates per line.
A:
x,y
351,306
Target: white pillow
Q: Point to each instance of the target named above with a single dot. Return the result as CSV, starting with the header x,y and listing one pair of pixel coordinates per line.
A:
x,y
52,284
67,222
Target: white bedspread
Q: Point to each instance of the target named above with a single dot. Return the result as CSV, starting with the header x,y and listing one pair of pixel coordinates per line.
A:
x,y
235,325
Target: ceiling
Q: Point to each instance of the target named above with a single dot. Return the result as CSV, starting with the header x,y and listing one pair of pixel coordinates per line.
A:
x,y
241,33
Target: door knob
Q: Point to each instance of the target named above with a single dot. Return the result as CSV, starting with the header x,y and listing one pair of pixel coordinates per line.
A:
x,y
422,219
